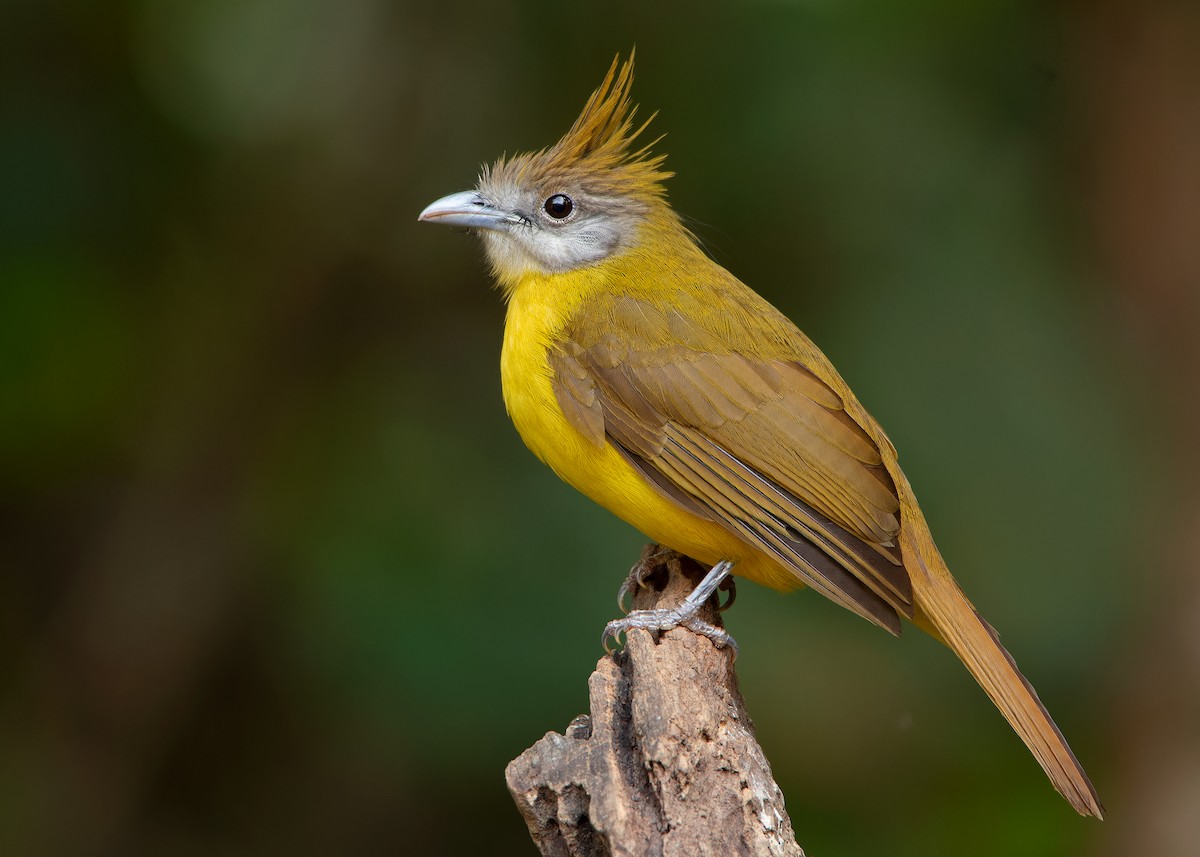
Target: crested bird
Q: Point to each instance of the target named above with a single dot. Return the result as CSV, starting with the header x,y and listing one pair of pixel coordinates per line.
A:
x,y
655,382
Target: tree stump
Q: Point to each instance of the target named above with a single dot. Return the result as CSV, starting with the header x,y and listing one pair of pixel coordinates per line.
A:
x,y
667,762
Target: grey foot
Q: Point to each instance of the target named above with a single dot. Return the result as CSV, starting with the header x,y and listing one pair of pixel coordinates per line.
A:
x,y
665,620
682,616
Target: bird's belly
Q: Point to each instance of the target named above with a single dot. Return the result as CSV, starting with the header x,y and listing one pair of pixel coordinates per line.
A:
x,y
601,473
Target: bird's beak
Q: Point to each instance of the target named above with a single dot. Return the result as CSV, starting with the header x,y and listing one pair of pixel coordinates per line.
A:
x,y
468,209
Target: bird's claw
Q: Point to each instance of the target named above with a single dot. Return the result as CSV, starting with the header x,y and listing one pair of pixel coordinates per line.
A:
x,y
636,580
646,620
729,586
664,620
626,591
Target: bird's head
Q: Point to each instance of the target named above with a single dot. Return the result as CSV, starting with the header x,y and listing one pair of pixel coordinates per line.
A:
x,y
577,203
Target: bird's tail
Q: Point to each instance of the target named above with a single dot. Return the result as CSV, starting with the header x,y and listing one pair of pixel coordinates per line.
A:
x,y
944,611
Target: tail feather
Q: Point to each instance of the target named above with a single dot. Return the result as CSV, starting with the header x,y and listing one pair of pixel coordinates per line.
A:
x,y
943,606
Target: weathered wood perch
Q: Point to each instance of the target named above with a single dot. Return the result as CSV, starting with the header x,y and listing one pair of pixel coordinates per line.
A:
x,y
667,763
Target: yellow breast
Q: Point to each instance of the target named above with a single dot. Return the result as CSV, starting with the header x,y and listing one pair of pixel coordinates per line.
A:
x,y
538,308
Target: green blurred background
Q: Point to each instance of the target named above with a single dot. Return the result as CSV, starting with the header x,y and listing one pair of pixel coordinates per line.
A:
x,y
278,577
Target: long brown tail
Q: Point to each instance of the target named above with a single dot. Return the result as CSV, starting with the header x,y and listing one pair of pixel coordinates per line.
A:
x,y
942,605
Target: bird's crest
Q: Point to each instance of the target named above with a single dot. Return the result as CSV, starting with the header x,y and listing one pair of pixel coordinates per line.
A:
x,y
597,150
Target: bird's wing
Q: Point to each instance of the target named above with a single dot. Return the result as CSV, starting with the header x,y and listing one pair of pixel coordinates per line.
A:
x,y
761,446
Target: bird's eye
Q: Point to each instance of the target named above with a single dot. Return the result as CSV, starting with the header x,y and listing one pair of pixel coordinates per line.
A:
x,y
559,206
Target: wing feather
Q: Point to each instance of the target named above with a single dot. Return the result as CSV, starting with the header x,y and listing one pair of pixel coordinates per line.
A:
x,y
576,394
761,446
794,520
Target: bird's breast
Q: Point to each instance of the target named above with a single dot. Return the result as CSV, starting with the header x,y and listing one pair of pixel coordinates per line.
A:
x,y
536,315
599,471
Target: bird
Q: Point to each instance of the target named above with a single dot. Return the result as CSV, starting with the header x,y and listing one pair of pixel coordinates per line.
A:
x,y
655,382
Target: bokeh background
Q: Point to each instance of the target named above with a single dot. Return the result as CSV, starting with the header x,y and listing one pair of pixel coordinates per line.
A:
x,y
278,577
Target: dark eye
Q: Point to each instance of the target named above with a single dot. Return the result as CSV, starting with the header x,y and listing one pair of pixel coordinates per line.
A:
x,y
559,206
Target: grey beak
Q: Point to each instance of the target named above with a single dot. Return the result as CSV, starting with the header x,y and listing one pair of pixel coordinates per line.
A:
x,y
468,209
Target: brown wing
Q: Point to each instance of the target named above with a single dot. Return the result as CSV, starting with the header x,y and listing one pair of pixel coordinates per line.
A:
x,y
762,447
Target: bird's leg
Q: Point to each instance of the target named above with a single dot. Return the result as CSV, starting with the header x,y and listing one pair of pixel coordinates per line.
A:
x,y
664,619
652,555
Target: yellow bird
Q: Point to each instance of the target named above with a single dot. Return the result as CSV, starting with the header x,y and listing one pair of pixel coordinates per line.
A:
x,y
655,382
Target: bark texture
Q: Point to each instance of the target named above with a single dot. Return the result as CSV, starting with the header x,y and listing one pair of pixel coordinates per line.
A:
x,y
667,762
